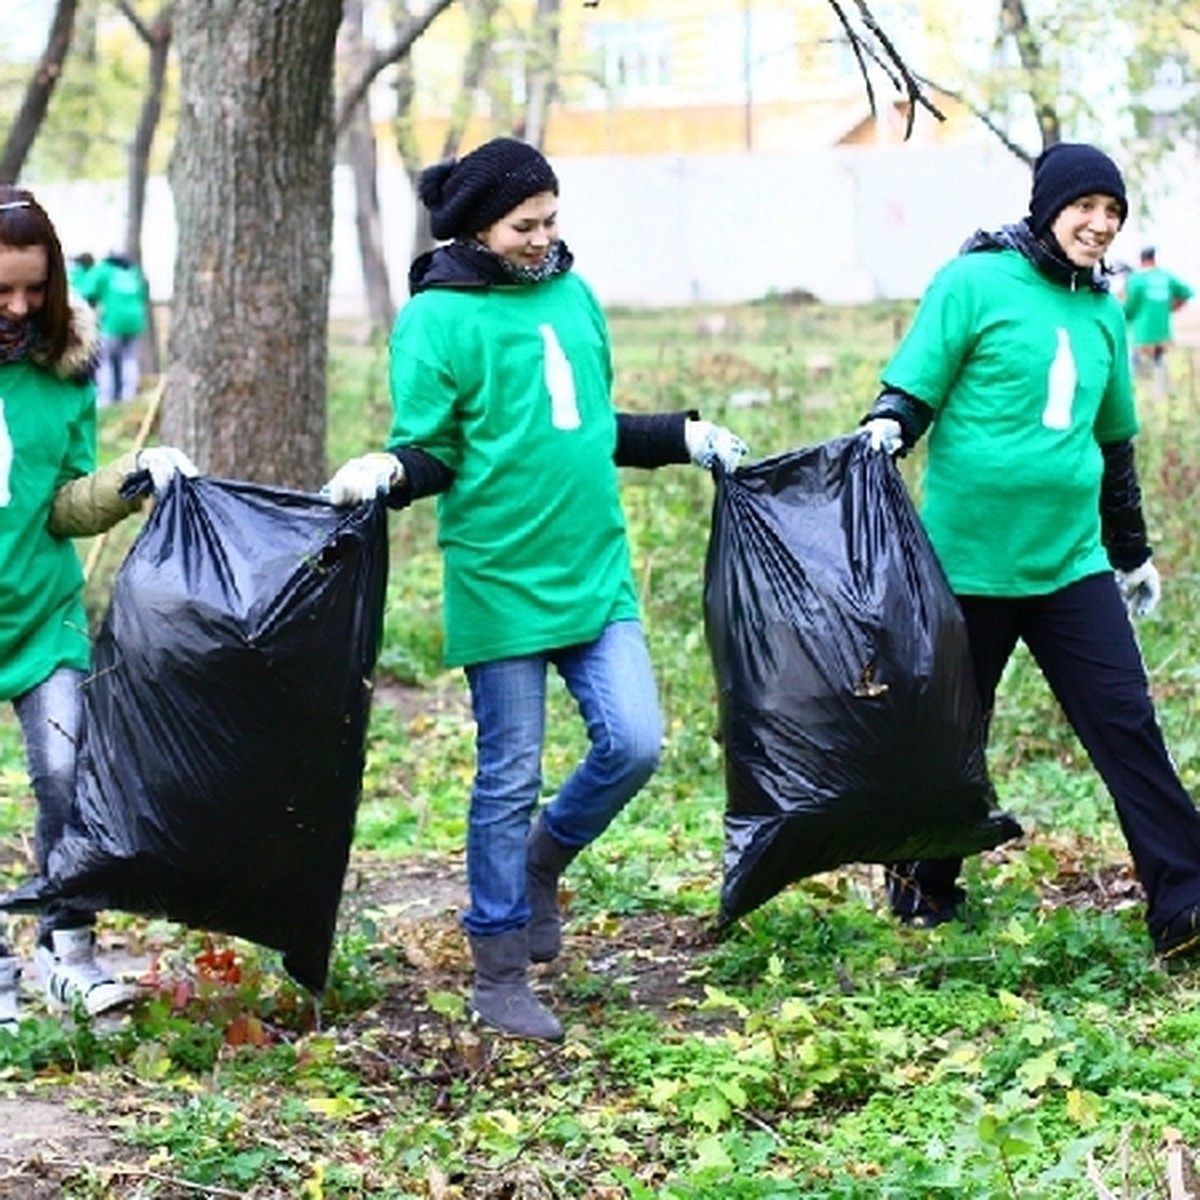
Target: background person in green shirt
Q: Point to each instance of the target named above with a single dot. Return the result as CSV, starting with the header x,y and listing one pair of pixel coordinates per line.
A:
x,y
79,270
50,492
1152,296
1016,363
501,380
117,289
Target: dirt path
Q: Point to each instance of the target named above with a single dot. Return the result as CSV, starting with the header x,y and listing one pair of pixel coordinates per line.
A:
x,y
39,1140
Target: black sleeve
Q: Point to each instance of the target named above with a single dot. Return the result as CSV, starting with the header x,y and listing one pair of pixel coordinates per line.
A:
x,y
913,415
652,440
424,475
1122,526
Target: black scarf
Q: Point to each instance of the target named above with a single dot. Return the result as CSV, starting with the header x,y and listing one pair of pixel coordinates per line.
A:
x,y
1044,252
470,264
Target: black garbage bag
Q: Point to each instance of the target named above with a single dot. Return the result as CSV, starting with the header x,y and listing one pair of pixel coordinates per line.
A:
x,y
225,719
849,717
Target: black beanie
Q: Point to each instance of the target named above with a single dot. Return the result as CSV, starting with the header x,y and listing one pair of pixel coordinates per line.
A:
x,y
1066,171
466,195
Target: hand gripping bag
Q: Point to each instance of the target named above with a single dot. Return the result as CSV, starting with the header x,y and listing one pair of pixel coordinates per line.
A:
x,y
225,719
848,712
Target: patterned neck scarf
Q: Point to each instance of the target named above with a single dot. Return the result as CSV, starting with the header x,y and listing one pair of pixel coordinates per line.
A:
x,y
16,339
554,263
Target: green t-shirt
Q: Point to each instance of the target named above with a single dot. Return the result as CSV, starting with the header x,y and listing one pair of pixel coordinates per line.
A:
x,y
510,388
1150,298
47,436
118,290
1027,379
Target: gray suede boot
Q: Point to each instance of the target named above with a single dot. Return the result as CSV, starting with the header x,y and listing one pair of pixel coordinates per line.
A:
x,y
502,997
547,860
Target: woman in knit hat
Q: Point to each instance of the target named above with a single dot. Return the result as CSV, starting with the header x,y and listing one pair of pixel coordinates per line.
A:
x,y
1016,363
501,381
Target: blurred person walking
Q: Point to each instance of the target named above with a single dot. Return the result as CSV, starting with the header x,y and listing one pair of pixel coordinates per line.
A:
x,y
1152,297
79,272
117,288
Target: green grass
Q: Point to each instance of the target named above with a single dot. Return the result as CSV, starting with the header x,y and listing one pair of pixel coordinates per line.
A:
x,y
820,1050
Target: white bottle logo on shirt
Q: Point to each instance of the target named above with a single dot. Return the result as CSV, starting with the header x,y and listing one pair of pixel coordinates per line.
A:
x,y
560,382
1060,385
6,458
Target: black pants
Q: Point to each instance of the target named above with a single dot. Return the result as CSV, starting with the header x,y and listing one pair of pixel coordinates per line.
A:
x,y
1083,642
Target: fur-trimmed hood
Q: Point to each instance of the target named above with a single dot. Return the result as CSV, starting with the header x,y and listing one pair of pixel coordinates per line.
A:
x,y
82,354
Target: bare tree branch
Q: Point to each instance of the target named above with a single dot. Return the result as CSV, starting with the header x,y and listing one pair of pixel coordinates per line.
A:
x,y
384,58
911,88
131,15
541,73
28,121
891,63
481,15
856,44
981,115
1015,23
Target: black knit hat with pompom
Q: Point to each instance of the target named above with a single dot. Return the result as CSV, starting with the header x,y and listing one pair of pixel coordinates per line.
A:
x,y
1066,171
466,195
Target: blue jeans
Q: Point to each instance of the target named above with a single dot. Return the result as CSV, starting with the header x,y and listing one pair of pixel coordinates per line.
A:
x,y
612,683
51,716
117,378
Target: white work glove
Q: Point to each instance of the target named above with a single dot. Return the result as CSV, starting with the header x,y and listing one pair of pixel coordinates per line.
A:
x,y
1141,588
709,444
361,479
885,434
162,462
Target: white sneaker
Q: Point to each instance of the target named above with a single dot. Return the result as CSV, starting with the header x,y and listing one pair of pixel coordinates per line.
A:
x,y
10,983
71,974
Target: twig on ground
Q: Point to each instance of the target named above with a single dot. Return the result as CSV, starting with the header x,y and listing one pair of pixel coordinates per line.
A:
x,y
129,1171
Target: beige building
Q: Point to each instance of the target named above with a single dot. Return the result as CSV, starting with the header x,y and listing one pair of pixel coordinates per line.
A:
x,y
690,76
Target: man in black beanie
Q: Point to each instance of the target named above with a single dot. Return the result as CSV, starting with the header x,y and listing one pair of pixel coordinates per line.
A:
x,y
1065,172
1016,363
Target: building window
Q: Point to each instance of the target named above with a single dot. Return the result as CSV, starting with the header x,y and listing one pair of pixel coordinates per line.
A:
x,y
753,50
631,62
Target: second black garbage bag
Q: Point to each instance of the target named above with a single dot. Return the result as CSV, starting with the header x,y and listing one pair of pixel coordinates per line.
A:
x,y
849,719
225,719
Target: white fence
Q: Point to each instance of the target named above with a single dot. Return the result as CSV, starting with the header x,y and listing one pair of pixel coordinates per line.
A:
x,y
848,224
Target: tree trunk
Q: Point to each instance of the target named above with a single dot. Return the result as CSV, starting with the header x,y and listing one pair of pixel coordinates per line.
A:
x,y
24,130
360,151
482,16
252,178
406,141
157,39
542,71
1014,21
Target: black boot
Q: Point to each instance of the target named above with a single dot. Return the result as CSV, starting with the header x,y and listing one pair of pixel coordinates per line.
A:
x,y
502,998
547,860
925,893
